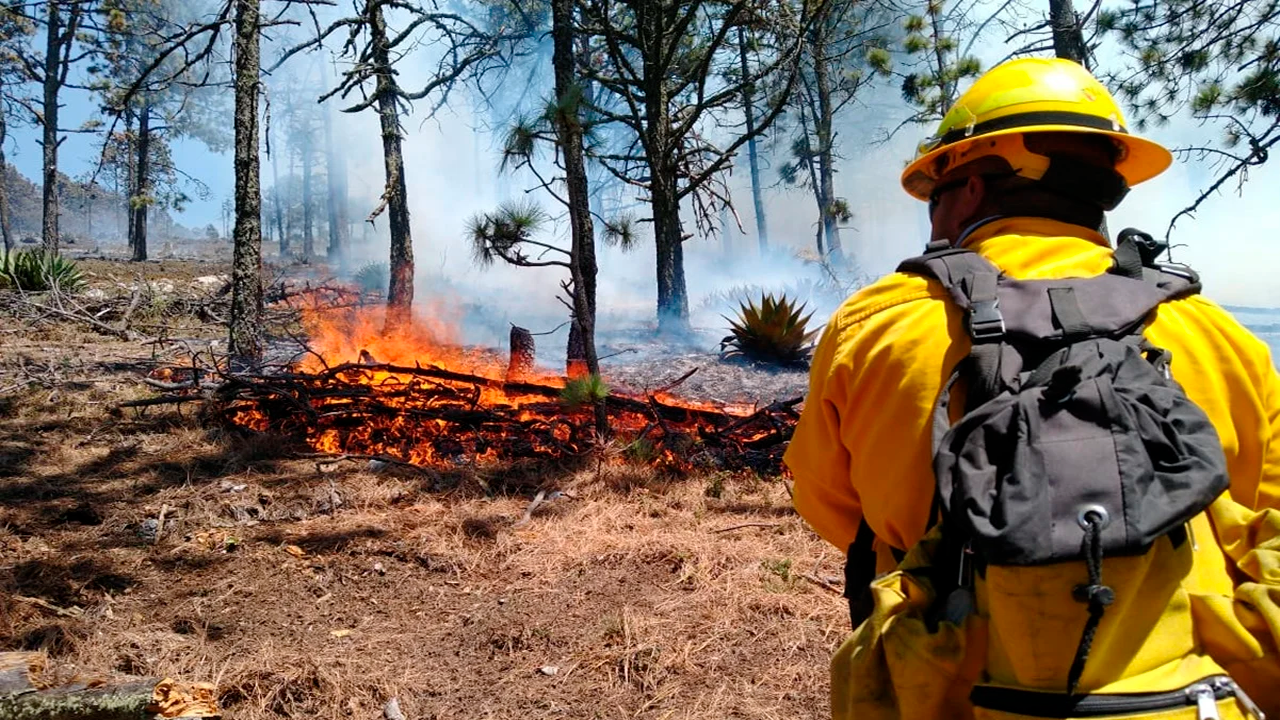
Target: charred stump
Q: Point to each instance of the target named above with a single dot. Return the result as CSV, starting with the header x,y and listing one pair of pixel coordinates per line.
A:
x,y
520,365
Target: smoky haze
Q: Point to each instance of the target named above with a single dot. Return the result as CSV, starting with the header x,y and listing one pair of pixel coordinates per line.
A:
x,y
453,171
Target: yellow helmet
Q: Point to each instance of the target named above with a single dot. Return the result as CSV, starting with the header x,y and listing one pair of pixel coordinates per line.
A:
x,y
1023,96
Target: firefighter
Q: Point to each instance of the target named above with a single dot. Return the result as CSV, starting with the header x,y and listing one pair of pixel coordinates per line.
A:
x,y
1021,170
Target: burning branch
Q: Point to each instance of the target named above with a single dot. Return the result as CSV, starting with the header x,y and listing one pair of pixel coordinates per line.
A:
x,y
434,416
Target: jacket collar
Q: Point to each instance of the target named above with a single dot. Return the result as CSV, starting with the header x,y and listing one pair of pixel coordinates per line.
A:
x,y
1030,227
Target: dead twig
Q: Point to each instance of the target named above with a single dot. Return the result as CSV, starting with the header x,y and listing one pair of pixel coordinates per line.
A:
x,y
746,525
63,612
164,509
822,583
675,383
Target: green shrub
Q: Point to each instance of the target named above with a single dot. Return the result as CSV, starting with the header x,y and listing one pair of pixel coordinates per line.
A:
x,y
584,391
39,271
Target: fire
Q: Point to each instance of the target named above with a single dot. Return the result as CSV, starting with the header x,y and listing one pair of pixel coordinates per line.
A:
x,y
417,395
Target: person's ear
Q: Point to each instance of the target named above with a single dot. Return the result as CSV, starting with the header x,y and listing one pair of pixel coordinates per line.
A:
x,y
971,196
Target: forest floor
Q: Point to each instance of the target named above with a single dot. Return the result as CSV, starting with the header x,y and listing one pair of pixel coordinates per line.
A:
x,y
148,542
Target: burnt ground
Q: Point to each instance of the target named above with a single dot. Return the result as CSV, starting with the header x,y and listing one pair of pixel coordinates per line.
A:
x,y
638,361
321,590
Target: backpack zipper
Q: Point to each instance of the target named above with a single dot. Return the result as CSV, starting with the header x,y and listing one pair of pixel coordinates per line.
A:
x,y
1204,695
1206,699
1250,707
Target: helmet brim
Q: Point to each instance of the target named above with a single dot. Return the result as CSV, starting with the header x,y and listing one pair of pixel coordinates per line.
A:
x,y
1140,160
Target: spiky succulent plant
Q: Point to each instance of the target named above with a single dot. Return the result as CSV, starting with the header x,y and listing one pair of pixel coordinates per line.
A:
x,y
38,271
775,331
373,277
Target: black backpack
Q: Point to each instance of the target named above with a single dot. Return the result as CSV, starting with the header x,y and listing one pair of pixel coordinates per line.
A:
x,y
1075,443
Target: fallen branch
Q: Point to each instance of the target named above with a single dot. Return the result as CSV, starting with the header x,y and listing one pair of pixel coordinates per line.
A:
x,y
62,612
746,525
25,695
822,583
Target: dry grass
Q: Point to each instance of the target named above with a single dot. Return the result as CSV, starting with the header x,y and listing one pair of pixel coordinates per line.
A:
x,y
321,590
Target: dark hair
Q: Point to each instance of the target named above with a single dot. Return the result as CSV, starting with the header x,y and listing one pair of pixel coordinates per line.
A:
x,y
1081,185
1027,198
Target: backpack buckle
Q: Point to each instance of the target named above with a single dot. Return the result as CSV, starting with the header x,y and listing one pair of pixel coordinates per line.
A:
x,y
985,321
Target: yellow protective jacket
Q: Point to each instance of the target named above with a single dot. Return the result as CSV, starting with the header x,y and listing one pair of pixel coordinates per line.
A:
x,y
862,448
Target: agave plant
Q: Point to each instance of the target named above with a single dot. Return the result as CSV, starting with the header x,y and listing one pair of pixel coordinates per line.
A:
x,y
775,331
39,271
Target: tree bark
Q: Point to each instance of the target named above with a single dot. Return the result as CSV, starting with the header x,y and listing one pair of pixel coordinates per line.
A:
x,y
246,273
141,202
822,126
673,297
308,239
1068,38
130,166
660,151
582,251
810,167
400,292
749,110
49,123
520,361
5,230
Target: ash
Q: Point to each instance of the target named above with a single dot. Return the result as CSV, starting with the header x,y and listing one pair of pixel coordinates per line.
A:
x,y
638,361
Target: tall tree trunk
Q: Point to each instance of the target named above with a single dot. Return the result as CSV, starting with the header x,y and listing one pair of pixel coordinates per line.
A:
x,y
582,253
142,189
335,169
308,239
660,151
749,110
288,212
822,125
130,172
4,185
246,271
673,297
279,205
49,122
400,292
809,165
1068,38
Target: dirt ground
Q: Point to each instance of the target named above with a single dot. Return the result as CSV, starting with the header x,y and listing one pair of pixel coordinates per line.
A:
x,y
147,542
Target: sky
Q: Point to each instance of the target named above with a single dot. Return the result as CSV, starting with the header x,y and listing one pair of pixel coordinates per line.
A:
x,y
452,172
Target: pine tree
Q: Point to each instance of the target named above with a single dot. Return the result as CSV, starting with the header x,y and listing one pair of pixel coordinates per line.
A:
x,y
1219,62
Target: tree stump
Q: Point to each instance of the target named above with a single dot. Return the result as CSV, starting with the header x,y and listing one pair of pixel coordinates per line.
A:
x,y
520,365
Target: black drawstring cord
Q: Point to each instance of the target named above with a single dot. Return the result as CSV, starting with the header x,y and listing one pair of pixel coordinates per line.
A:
x,y
1097,595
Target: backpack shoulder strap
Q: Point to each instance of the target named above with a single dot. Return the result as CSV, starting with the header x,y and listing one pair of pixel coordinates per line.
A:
x,y
971,281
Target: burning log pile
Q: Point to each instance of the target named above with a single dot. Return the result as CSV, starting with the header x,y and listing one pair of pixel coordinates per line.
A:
x,y
433,416
416,397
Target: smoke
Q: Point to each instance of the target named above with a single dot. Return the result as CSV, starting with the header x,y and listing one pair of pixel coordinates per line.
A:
x,y
452,165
